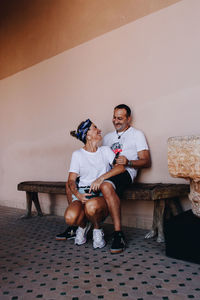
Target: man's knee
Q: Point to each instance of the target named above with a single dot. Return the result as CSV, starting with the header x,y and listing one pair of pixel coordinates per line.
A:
x,y
107,188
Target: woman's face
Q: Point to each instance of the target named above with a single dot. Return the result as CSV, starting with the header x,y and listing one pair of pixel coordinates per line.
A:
x,y
94,133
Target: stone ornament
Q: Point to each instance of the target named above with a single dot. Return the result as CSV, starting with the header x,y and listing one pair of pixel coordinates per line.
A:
x,y
184,162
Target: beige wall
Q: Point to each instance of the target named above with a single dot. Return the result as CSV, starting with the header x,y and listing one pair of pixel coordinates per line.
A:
x,y
34,30
151,64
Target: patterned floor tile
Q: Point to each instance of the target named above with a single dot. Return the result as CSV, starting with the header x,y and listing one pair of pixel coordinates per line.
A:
x,y
33,265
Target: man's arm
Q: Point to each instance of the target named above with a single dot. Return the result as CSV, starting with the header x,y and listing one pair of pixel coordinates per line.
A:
x,y
117,169
144,160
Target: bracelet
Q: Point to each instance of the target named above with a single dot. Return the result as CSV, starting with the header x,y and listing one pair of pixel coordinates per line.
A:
x,y
130,164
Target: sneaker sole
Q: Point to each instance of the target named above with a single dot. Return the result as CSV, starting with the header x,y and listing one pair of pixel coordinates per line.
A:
x,y
79,244
115,251
60,239
64,238
96,247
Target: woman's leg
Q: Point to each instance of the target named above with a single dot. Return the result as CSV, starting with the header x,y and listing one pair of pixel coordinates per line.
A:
x,y
96,210
75,214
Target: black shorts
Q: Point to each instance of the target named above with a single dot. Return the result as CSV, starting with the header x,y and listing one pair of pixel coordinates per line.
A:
x,y
120,182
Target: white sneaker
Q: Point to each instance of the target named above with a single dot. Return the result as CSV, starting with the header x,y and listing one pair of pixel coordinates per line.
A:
x,y
81,235
98,238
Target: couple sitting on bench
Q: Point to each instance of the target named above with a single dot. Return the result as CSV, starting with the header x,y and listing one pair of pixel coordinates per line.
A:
x,y
104,173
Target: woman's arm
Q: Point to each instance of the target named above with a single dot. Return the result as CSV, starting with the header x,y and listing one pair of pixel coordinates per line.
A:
x,y
72,183
117,169
73,187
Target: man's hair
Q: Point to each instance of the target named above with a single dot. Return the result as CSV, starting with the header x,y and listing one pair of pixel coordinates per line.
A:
x,y
126,107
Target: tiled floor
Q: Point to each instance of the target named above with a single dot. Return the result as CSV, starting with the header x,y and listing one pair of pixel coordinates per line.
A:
x,y
33,265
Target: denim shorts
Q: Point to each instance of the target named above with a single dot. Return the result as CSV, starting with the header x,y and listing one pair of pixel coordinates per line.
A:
x,y
85,189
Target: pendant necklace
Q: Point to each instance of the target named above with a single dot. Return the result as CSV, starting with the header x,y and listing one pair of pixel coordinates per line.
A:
x,y
120,135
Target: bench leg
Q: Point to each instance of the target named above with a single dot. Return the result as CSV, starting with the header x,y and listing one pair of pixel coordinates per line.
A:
x,y
154,230
30,198
175,206
28,206
160,207
37,204
157,227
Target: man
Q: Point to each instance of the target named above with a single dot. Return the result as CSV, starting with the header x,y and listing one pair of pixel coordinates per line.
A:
x,y
131,144
134,154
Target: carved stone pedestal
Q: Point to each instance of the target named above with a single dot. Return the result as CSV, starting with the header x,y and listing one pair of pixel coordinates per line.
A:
x,y
184,162
182,232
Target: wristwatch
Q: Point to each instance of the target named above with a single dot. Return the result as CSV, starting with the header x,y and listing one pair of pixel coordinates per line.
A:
x,y
129,163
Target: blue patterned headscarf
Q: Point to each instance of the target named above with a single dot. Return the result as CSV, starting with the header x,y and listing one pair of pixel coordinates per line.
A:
x,y
82,130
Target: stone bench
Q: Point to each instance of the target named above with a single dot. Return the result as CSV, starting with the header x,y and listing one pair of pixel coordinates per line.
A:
x,y
163,195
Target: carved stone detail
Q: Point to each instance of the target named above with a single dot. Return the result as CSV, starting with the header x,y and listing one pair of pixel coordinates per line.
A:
x,y
194,197
184,162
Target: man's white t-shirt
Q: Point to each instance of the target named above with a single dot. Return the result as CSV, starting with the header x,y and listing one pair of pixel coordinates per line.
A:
x,y
91,165
131,142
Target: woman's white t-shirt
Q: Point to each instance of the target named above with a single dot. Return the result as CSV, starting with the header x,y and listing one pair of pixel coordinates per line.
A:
x,y
91,165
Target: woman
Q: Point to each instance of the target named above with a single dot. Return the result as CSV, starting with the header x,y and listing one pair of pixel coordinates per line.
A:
x,y
92,164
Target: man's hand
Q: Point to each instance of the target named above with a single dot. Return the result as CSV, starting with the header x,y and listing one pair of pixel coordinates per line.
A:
x,y
95,186
122,160
143,161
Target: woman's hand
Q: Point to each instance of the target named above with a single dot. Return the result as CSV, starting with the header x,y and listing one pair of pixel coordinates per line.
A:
x,y
83,197
95,186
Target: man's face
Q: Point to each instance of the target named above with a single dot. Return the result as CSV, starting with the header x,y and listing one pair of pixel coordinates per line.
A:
x,y
120,120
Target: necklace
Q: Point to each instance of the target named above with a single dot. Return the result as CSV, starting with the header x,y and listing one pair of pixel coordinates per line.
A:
x,y
120,135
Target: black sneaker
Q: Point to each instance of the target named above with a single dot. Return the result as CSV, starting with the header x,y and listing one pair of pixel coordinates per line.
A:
x,y
68,234
118,243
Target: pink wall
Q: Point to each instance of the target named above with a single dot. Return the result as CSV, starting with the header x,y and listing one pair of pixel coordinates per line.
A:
x,y
151,64
35,30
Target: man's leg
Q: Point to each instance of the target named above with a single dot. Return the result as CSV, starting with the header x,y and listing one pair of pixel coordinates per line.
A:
x,y
114,207
113,203
111,188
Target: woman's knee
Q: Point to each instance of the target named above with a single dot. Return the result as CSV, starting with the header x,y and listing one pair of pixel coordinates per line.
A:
x,y
91,208
72,214
96,207
70,217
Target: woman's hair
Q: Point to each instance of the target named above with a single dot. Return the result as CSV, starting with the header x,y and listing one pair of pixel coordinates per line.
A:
x,y
81,131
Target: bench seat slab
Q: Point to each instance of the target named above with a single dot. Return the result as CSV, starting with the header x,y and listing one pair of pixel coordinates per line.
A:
x,y
162,194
